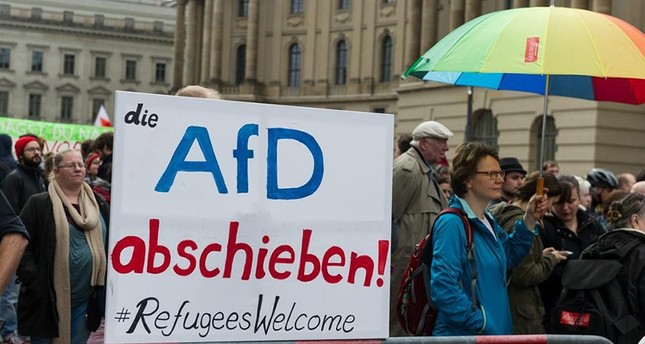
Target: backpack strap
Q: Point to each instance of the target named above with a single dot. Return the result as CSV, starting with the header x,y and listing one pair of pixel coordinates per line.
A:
x,y
470,248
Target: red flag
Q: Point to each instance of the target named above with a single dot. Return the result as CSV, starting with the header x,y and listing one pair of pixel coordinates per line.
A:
x,y
102,118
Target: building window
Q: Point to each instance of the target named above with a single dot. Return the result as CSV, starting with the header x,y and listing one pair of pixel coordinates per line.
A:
x,y
129,23
5,58
4,103
5,11
243,8
68,16
66,108
294,65
157,26
160,72
341,63
36,13
240,64
386,59
68,64
34,105
99,20
100,64
344,4
389,1
96,105
130,70
379,110
297,6
37,61
485,127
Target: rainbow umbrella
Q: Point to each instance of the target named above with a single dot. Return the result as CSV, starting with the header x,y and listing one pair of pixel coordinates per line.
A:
x,y
544,50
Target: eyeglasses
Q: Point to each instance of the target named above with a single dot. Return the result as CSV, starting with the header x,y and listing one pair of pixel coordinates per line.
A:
x,y
96,162
493,174
72,165
31,149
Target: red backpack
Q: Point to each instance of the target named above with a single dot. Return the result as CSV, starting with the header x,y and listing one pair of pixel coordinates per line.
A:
x,y
414,306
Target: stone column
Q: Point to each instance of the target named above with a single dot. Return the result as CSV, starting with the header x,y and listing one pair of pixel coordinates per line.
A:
x,y
216,45
473,9
536,3
583,4
251,61
520,3
189,52
180,45
429,24
412,32
207,31
456,14
601,6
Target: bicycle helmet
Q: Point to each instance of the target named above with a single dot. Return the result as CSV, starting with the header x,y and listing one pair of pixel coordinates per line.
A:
x,y
601,177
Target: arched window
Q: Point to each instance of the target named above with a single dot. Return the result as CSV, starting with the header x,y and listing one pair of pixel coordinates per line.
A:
x,y
344,4
549,140
297,6
294,65
485,127
240,64
341,63
386,59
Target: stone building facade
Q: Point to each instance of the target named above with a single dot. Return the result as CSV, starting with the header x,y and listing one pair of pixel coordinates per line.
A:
x,y
60,60
349,54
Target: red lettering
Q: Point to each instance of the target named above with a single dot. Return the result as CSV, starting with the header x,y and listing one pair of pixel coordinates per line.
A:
x,y
360,262
231,249
156,248
307,258
135,264
326,263
262,254
276,259
181,251
214,247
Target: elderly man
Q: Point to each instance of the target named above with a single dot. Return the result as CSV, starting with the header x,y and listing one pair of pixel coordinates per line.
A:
x,y
417,199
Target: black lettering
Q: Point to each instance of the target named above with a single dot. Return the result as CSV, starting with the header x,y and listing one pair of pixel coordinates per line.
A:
x,y
141,306
133,116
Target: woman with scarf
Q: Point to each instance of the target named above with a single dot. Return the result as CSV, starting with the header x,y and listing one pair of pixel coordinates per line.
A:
x,y
65,262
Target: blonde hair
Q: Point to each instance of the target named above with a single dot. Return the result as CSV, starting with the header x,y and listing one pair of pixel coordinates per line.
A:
x,y
197,91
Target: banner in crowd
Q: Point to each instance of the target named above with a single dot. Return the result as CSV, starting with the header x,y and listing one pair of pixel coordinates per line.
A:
x,y
57,136
236,221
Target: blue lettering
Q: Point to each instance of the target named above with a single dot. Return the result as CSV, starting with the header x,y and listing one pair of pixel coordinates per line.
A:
x,y
273,191
178,161
243,154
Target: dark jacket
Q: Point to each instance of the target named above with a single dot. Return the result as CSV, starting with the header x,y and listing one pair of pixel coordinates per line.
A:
x,y
7,162
22,183
9,221
37,315
632,275
558,236
527,308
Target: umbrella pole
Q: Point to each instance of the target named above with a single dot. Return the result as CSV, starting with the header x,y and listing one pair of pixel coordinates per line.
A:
x,y
540,181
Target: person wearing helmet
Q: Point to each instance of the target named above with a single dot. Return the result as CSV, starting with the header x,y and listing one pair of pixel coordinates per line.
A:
x,y
603,182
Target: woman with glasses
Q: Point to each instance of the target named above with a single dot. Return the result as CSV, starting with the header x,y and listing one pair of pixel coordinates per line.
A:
x,y
569,229
65,262
523,292
476,179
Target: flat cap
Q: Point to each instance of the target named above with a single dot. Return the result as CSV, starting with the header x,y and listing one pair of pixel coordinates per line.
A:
x,y
430,129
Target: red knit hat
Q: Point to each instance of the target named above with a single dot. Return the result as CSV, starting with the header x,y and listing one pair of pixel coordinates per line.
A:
x,y
21,143
88,161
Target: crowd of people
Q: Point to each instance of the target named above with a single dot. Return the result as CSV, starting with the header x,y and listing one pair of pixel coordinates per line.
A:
x,y
54,222
523,241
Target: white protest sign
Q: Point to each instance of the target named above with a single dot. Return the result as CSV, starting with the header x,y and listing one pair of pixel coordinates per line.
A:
x,y
235,221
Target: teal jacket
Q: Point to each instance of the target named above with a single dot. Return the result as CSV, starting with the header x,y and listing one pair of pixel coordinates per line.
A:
x,y
451,275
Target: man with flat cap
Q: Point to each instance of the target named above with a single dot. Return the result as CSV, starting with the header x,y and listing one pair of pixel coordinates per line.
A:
x,y
417,199
514,175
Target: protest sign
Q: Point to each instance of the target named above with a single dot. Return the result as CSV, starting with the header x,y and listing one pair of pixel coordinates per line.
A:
x,y
236,221
57,136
